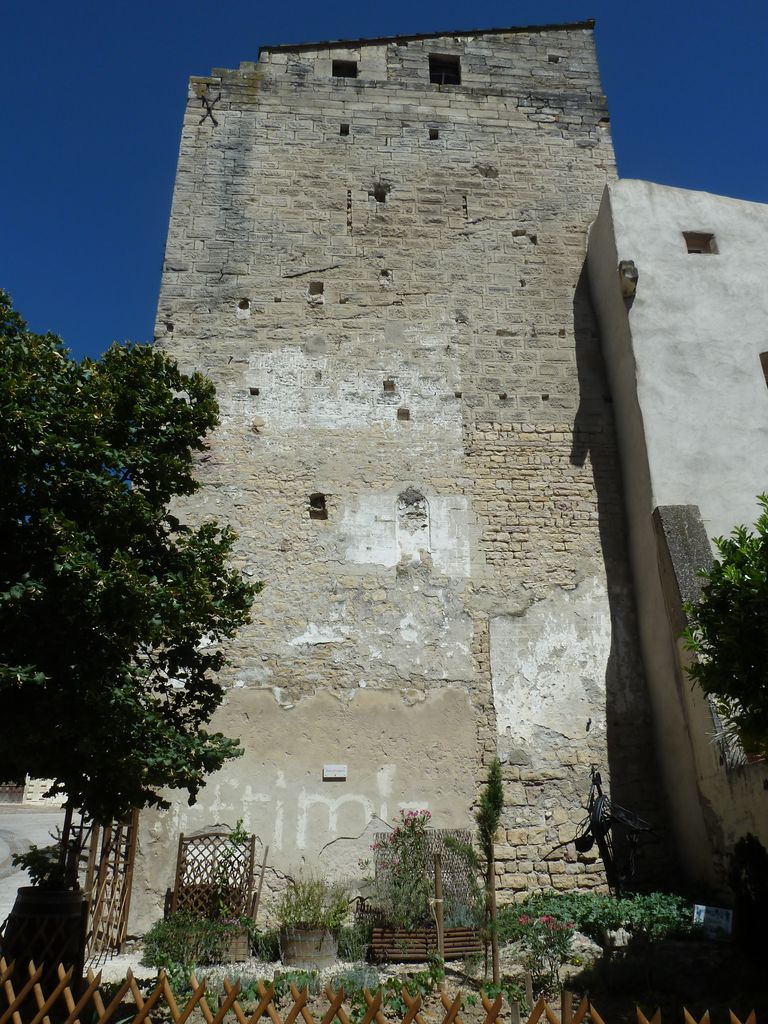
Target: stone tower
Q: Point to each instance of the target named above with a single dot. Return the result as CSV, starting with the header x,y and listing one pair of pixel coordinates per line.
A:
x,y
376,252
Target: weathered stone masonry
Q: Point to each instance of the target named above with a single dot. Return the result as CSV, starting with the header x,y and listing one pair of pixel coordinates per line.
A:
x,y
383,277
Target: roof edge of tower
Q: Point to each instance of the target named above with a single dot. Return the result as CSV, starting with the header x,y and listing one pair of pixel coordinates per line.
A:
x,y
377,40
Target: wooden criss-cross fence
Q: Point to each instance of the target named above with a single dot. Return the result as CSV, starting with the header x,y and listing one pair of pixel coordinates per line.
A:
x,y
85,1003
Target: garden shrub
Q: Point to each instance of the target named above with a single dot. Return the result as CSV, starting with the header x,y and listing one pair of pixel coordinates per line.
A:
x,y
355,942
311,901
656,915
183,940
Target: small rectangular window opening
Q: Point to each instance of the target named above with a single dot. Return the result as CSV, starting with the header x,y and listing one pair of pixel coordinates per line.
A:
x,y
434,134
444,69
317,509
344,69
253,391
389,387
700,242
316,287
403,414
343,129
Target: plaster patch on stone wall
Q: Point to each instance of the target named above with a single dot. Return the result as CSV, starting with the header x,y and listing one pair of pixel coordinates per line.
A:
x,y
315,634
381,529
548,669
348,393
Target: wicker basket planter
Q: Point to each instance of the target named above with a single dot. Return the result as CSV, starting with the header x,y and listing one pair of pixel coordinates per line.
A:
x,y
399,946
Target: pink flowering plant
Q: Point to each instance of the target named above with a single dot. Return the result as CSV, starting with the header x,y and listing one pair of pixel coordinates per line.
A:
x,y
547,944
403,882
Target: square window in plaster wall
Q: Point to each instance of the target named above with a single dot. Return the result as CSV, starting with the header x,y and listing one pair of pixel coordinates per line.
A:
x,y
317,507
343,129
253,391
700,242
434,134
444,69
403,414
344,69
389,387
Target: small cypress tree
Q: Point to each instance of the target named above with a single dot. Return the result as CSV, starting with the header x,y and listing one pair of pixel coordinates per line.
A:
x,y
488,817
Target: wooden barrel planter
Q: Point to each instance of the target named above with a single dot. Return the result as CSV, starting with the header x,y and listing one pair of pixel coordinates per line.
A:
x,y
308,948
48,927
395,945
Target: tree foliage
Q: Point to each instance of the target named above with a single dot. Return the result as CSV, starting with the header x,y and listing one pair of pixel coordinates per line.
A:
x,y
112,611
490,808
728,631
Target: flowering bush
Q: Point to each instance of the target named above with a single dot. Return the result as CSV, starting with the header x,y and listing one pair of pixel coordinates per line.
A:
x,y
547,943
404,874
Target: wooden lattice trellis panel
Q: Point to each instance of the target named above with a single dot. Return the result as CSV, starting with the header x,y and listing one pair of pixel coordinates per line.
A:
x,y
108,883
32,1003
214,875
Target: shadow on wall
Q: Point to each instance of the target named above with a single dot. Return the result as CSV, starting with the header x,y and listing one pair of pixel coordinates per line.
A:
x,y
635,780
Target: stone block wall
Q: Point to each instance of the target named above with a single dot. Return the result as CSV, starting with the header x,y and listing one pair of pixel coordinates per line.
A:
x,y
384,279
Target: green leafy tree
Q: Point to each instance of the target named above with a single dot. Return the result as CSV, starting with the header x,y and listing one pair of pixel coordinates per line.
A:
x,y
112,611
488,817
728,631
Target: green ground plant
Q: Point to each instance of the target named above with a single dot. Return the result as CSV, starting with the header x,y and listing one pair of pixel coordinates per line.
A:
x,y
651,916
181,942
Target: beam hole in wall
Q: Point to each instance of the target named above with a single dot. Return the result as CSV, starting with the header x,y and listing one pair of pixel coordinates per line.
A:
x,y
403,414
444,69
699,243
169,327
315,296
545,397
244,304
344,69
434,134
554,58
389,387
343,129
318,376
503,396
764,365
386,278
379,192
317,506
253,391
457,394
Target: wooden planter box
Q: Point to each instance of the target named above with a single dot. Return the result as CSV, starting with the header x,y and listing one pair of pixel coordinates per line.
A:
x,y
239,947
416,946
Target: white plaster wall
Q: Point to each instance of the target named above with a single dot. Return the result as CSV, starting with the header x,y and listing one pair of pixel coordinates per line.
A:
x,y
398,755
691,408
548,670
698,325
370,526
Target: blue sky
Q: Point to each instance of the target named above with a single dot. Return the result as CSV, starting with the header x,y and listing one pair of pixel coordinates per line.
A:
x,y
94,95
